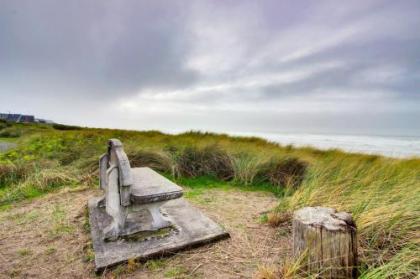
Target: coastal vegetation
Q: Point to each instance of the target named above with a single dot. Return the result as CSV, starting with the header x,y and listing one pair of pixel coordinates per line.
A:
x,y
383,194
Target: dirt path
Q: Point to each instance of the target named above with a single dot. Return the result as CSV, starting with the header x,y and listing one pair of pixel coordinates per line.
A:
x,y
47,238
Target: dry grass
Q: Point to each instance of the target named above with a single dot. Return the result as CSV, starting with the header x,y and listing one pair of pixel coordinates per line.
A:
x,y
276,219
36,181
267,272
53,228
384,197
13,172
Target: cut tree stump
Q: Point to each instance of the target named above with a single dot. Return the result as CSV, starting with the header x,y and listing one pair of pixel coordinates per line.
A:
x,y
325,240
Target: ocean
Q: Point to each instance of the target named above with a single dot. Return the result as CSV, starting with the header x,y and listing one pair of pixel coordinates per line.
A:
x,y
391,146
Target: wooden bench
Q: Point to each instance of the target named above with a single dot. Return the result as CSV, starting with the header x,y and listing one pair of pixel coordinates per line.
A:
x,y
129,192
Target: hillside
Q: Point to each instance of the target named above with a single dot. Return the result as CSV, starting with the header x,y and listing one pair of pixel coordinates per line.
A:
x,y
383,194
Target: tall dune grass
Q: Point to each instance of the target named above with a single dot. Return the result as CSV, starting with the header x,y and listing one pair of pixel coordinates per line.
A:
x,y
246,168
384,197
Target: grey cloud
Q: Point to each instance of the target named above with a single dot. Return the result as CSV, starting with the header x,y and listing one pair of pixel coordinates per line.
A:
x,y
77,61
98,47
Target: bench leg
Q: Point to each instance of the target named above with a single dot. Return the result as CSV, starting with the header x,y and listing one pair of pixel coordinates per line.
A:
x,y
159,221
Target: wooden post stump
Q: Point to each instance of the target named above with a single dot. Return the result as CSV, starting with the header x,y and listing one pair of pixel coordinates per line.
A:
x,y
327,240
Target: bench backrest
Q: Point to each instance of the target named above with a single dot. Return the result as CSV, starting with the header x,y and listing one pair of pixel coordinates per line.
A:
x,y
116,157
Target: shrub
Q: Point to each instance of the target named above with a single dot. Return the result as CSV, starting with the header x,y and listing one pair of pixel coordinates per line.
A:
x,y
4,124
210,160
277,218
158,161
66,127
12,173
40,181
51,178
289,172
10,132
68,157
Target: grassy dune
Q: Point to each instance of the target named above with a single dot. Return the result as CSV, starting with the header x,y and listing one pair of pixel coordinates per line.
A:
x,y
383,194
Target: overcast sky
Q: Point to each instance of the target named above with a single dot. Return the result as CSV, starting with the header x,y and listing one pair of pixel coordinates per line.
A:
x,y
232,66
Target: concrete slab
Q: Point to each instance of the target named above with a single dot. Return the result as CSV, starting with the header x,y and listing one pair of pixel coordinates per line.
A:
x,y
190,228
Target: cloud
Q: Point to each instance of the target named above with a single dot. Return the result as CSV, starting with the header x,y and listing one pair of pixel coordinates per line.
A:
x,y
212,64
96,49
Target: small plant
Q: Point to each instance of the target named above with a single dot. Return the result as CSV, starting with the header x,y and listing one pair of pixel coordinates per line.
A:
x,y
89,254
153,265
245,167
276,219
266,272
132,265
86,223
175,272
50,250
263,218
61,224
24,252
119,270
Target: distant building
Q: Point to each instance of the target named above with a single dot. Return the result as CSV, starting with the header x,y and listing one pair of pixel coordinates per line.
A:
x,y
14,117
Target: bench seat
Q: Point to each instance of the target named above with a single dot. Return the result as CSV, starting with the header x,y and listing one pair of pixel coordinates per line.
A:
x,y
150,187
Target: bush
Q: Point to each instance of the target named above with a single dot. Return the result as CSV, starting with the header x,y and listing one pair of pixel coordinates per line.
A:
x,y
66,127
289,172
10,132
11,173
51,178
40,181
4,124
158,161
210,160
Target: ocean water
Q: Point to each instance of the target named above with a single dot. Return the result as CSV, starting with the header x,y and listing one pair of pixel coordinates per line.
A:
x,y
392,146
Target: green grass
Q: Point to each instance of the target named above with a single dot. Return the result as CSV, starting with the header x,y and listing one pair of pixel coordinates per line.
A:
x,y
60,223
24,252
27,217
7,139
176,272
155,264
383,194
50,250
197,184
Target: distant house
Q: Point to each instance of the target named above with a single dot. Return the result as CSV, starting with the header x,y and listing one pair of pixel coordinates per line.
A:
x,y
14,117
